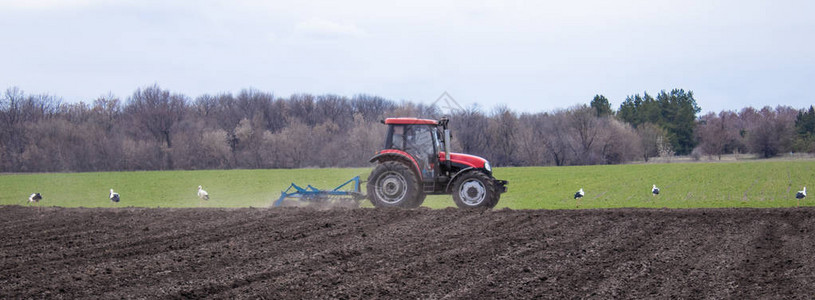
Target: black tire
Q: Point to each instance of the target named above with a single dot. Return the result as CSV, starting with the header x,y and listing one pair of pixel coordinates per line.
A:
x,y
475,189
420,199
394,184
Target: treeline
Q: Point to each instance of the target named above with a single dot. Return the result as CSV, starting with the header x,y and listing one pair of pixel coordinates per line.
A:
x,y
155,129
767,132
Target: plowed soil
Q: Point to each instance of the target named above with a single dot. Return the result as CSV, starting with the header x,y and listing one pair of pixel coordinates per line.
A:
x,y
295,253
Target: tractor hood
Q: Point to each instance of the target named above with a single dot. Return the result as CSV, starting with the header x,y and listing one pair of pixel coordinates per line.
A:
x,y
467,160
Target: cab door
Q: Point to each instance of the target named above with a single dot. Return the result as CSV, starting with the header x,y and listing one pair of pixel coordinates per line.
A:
x,y
420,141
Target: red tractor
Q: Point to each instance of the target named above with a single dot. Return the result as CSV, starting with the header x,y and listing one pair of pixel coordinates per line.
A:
x,y
417,161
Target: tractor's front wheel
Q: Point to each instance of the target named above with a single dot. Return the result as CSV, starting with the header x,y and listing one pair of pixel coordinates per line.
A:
x,y
475,189
393,184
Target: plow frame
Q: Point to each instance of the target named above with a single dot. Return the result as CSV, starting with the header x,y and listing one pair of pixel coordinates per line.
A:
x,y
313,194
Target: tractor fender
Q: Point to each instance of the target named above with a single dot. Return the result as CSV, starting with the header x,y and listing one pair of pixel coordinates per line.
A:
x,y
398,155
462,171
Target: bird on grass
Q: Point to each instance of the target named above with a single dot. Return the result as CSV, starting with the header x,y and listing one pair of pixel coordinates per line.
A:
x,y
801,195
35,198
114,197
202,194
579,195
654,190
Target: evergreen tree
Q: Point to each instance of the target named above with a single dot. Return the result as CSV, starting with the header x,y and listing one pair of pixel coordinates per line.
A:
x,y
675,112
628,111
601,106
651,110
637,110
805,129
678,110
805,123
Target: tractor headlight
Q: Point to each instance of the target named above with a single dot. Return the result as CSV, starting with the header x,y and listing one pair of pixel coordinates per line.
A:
x,y
487,166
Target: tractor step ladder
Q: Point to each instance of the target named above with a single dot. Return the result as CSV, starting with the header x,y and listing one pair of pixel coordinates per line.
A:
x,y
428,187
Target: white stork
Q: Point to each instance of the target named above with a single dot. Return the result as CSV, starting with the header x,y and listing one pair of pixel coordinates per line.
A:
x,y
654,190
801,195
114,196
202,194
579,195
35,198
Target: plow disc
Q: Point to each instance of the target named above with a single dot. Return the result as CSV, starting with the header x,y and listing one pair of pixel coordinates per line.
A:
x,y
341,196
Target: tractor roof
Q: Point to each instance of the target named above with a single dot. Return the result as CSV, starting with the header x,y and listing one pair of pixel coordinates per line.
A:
x,y
410,121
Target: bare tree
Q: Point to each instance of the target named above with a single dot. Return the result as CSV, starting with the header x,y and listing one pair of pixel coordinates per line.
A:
x,y
470,127
718,134
555,133
289,148
650,136
711,132
157,111
502,127
372,108
17,109
664,148
216,151
531,151
772,132
302,107
618,142
584,125
106,111
204,105
360,143
335,109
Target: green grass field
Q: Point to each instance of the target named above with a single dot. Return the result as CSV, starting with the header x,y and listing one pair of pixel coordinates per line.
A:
x,y
683,185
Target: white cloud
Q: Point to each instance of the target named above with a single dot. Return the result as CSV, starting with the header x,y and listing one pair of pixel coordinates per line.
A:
x,y
325,28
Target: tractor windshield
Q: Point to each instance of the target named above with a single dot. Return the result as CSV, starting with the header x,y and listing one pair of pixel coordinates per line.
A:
x,y
419,140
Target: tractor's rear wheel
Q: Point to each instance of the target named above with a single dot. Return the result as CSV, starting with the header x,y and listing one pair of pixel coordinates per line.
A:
x,y
475,189
394,184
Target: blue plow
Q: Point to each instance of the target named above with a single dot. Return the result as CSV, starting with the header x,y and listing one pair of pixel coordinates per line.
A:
x,y
345,195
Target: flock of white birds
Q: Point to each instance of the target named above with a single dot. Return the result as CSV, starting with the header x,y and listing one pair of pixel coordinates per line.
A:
x,y
655,191
203,195
113,196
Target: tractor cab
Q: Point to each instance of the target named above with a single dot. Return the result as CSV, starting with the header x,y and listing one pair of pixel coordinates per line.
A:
x,y
419,140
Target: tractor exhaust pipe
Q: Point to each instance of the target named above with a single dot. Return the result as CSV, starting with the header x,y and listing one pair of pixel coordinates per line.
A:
x,y
443,122
447,145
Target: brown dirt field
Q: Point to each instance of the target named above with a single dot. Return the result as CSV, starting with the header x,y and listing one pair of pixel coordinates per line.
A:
x,y
293,253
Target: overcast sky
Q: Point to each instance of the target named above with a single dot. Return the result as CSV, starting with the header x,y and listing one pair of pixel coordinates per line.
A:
x,y
532,56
